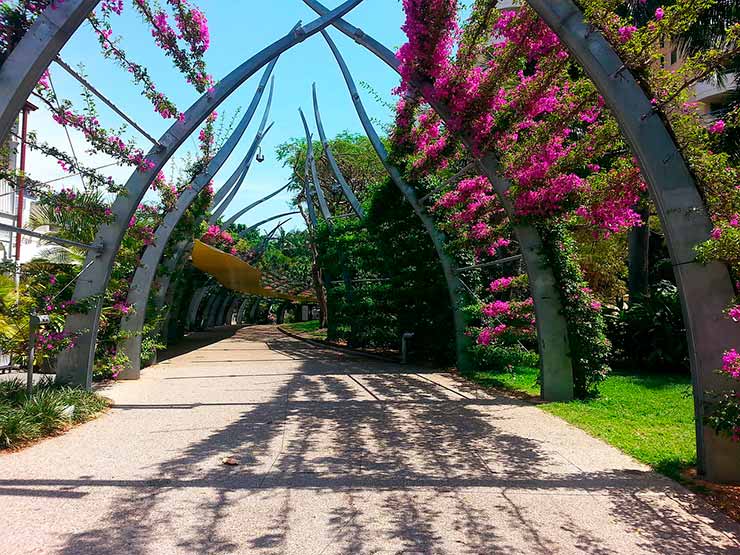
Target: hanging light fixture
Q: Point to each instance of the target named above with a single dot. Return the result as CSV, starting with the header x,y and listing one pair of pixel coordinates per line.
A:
x,y
260,156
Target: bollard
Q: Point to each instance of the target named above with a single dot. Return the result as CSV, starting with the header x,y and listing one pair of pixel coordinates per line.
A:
x,y
404,338
34,322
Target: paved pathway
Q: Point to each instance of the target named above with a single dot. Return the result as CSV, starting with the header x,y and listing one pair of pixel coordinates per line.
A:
x,y
337,455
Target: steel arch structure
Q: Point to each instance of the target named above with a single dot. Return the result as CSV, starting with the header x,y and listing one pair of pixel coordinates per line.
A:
x,y
141,284
74,366
704,289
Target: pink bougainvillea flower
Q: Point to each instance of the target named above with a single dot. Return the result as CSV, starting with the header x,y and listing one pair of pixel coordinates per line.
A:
x,y
626,32
500,284
717,127
734,313
731,363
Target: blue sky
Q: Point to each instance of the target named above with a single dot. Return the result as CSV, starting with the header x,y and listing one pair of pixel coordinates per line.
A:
x,y
238,30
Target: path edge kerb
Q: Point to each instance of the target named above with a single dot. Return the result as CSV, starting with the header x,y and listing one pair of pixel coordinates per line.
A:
x,y
338,348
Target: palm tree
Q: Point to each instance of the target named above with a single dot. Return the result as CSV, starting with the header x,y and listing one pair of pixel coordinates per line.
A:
x,y
80,224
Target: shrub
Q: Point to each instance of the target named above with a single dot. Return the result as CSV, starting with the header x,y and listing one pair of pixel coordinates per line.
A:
x,y
24,419
503,358
649,333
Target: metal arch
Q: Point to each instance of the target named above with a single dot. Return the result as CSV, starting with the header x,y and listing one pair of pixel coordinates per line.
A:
x,y
242,310
220,318
32,55
232,220
552,333
253,310
346,189
705,290
223,191
146,272
75,365
245,165
281,312
266,220
234,309
209,318
438,239
311,162
205,307
213,299
217,212
230,308
195,303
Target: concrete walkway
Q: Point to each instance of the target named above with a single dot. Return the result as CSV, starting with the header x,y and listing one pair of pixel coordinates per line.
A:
x,y
337,455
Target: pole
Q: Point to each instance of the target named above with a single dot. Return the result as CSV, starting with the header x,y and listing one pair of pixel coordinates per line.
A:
x,y
21,181
31,351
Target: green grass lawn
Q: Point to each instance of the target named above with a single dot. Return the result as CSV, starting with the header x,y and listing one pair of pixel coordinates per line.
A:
x,y
310,328
650,417
48,411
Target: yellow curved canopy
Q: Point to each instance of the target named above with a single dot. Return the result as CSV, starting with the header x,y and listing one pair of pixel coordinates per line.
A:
x,y
237,275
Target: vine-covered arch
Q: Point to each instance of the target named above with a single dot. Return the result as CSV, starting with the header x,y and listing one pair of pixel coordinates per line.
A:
x,y
705,289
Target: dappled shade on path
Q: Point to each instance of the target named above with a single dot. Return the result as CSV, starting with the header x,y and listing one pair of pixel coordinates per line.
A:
x,y
337,454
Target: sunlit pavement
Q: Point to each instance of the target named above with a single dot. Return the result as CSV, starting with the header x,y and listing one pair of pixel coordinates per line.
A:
x,y
336,454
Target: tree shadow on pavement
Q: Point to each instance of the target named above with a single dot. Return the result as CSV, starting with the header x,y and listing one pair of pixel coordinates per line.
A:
x,y
395,460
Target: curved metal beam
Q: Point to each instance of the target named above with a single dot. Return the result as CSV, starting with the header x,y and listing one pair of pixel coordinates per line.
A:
x,y
262,248
552,332
266,220
230,187
253,310
232,220
233,309
243,166
217,212
242,310
141,284
219,316
33,54
313,221
195,305
705,289
75,365
346,189
205,308
311,161
438,239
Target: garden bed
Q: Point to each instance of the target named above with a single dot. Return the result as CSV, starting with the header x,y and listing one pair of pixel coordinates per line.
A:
x,y
49,411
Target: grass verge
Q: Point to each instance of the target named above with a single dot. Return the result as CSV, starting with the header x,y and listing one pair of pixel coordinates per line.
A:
x,y
650,417
310,329
50,410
